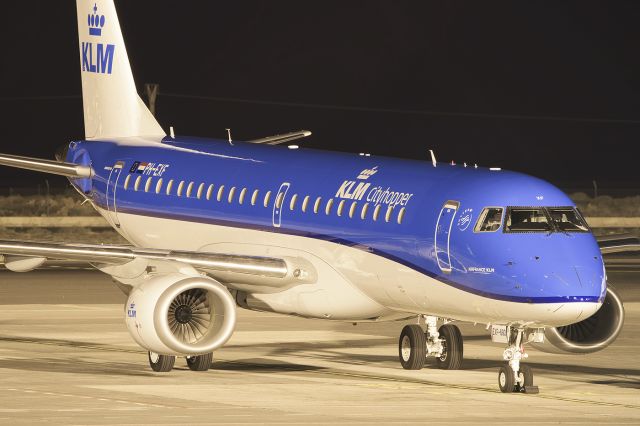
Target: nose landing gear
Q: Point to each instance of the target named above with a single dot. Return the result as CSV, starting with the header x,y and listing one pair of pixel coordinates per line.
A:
x,y
513,376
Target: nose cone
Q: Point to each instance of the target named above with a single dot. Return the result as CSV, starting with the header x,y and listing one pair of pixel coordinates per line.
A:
x,y
561,269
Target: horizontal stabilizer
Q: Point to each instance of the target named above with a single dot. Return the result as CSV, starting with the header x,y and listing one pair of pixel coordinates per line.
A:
x,y
46,166
278,139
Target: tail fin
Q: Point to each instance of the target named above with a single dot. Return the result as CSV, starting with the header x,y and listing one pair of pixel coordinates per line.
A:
x,y
112,107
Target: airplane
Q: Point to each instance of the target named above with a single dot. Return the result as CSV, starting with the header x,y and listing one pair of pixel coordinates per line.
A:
x,y
218,224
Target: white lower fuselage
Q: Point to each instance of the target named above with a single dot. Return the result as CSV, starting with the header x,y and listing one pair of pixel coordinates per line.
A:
x,y
352,285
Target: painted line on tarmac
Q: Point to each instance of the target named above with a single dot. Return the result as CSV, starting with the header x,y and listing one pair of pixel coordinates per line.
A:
x,y
326,371
96,398
70,344
341,373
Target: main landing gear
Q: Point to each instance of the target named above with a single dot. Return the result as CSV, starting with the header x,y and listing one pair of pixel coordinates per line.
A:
x,y
513,376
164,363
444,343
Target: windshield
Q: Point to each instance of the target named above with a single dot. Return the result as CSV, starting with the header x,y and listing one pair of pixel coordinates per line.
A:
x,y
544,219
567,219
527,219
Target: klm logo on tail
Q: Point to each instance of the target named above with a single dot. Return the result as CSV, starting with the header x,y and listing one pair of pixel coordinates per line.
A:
x,y
97,57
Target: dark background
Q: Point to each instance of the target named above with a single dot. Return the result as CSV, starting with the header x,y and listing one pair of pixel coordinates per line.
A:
x,y
547,88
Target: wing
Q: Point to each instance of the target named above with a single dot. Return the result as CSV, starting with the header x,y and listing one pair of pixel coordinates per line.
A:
x,y
619,243
278,139
46,166
128,263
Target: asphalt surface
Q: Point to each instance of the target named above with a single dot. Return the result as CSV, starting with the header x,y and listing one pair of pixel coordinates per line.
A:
x,y
67,358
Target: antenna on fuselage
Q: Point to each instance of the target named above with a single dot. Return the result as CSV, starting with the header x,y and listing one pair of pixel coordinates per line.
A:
x,y
433,157
229,136
171,132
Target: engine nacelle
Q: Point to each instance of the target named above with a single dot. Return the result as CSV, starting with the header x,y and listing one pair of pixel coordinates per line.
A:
x,y
176,314
589,335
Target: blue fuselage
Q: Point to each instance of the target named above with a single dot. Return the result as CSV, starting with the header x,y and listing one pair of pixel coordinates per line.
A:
x,y
412,213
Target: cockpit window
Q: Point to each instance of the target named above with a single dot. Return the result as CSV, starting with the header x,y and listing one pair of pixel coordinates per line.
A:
x,y
489,220
544,219
527,219
567,219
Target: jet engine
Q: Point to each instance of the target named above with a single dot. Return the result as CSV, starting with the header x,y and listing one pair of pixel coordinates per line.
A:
x,y
589,335
176,314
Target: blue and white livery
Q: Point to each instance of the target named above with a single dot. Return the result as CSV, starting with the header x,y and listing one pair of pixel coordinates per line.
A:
x,y
215,224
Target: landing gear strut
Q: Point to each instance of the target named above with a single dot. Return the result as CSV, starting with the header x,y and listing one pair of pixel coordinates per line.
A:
x,y
444,343
513,376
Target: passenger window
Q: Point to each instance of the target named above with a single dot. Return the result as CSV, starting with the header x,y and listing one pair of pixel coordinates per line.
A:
x,y
327,209
376,212
148,184
232,192
527,219
200,189
242,194
340,207
267,197
401,215
220,193
254,197
126,182
365,209
305,203
316,206
169,187
279,200
292,204
189,189
352,209
159,186
136,185
567,219
180,188
209,191
387,216
490,220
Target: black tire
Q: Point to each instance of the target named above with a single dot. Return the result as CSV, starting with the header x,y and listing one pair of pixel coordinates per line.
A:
x,y
161,363
412,347
506,379
452,353
200,362
527,373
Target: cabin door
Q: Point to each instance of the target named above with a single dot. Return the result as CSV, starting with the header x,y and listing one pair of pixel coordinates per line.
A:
x,y
112,186
279,203
443,234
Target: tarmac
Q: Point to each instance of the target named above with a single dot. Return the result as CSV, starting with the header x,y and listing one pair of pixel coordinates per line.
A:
x,y
67,358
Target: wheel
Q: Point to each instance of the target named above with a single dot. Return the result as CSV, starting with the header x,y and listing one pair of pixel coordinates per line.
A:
x,y
526,378
412,347
506,379
161,363
200,362
452,351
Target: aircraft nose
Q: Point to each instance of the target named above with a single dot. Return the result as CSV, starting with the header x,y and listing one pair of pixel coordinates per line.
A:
x,y
580,283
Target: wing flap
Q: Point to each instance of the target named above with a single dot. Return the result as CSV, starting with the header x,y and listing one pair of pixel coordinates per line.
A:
x,y
270,272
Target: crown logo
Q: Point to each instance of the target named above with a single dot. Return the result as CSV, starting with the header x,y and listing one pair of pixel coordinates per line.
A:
x,y
95,22
367,173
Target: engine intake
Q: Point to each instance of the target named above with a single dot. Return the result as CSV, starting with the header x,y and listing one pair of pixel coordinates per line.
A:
x,y
181,315
591,334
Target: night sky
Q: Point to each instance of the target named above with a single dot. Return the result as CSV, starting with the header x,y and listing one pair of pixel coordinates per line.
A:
x,y
547,88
